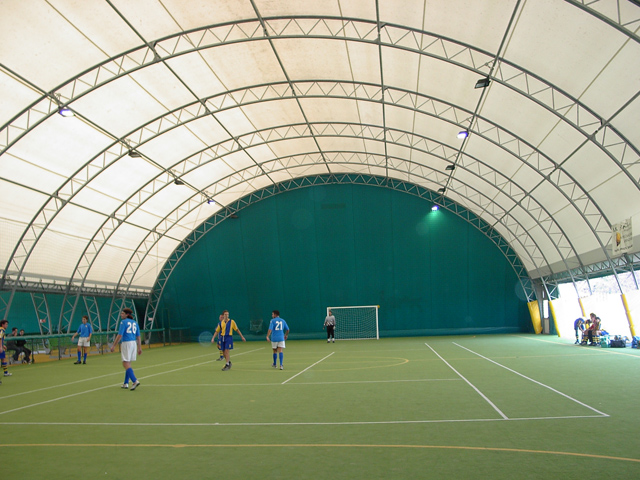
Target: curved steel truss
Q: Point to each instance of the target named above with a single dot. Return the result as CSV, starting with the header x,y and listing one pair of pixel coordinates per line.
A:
x,y
536,194
358,179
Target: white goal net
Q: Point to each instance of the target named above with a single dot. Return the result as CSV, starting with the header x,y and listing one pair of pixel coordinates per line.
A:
x,y
356,323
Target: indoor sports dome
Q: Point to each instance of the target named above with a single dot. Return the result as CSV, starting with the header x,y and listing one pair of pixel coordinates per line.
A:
x,y
467,166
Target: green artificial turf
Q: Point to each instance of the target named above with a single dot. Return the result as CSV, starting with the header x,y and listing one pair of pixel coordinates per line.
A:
x,y
498,407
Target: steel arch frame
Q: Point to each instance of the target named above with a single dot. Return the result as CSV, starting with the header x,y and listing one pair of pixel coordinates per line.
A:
x,y
526,83
507,139
584,124
358,179
491,133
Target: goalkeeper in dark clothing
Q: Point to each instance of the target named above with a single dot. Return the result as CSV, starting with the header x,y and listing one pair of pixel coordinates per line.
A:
x,y
330,325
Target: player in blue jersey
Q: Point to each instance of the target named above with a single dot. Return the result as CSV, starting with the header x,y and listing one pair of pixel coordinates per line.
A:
x,y
129,332
226,328
279,331
84,341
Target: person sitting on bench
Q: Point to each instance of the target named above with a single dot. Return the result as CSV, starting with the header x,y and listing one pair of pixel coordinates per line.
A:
x,y
593,329
11,344
22,345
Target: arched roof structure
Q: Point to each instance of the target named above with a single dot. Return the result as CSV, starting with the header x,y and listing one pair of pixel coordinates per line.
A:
x,y
186,111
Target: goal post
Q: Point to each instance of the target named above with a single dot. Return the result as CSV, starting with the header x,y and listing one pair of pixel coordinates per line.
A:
x,y
356,323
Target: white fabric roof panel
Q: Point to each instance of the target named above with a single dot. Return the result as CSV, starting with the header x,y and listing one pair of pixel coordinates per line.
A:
x,y
616,83
254,63
15,96
305,60
576,45
626,122
206,96
447,83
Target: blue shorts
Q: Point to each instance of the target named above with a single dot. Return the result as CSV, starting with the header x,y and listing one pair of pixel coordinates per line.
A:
x,y
3,355
226,343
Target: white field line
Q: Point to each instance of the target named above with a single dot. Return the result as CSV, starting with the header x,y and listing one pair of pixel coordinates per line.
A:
x,y
111,385
98,377
471,385
300,373
285,424
534,381
181,385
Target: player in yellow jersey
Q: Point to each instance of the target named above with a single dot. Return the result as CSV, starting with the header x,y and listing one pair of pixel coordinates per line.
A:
x,y
226,329
3,349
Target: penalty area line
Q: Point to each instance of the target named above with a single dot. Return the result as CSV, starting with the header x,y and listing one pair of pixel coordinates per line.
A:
x,y
534,381
470,384
310,366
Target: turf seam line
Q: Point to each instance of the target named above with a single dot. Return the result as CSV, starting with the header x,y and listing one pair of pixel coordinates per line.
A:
x,y
295,424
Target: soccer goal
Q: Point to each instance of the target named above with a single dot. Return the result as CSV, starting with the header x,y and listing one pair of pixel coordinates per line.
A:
x,y
356,323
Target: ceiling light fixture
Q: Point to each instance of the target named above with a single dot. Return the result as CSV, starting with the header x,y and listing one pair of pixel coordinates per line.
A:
x,y
211,201
177,181
435,208
134,154
441,190
483,83
463,134
450,167
66,112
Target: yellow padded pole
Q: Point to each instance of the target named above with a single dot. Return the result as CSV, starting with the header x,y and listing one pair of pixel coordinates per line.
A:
x,y
629,319
582,308
534,311
553,314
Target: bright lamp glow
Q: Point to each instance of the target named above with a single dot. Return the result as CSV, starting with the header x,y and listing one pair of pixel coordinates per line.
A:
x,y
435,208
66,112
463,134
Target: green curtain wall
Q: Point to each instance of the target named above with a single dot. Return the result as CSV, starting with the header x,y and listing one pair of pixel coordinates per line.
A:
x,y
432,273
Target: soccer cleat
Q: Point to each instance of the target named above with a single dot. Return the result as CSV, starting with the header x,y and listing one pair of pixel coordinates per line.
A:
x,y
281,367
226,367
273,365
333,341
84,363
77,363
328,340
135,385
219,359
7,374
125,386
